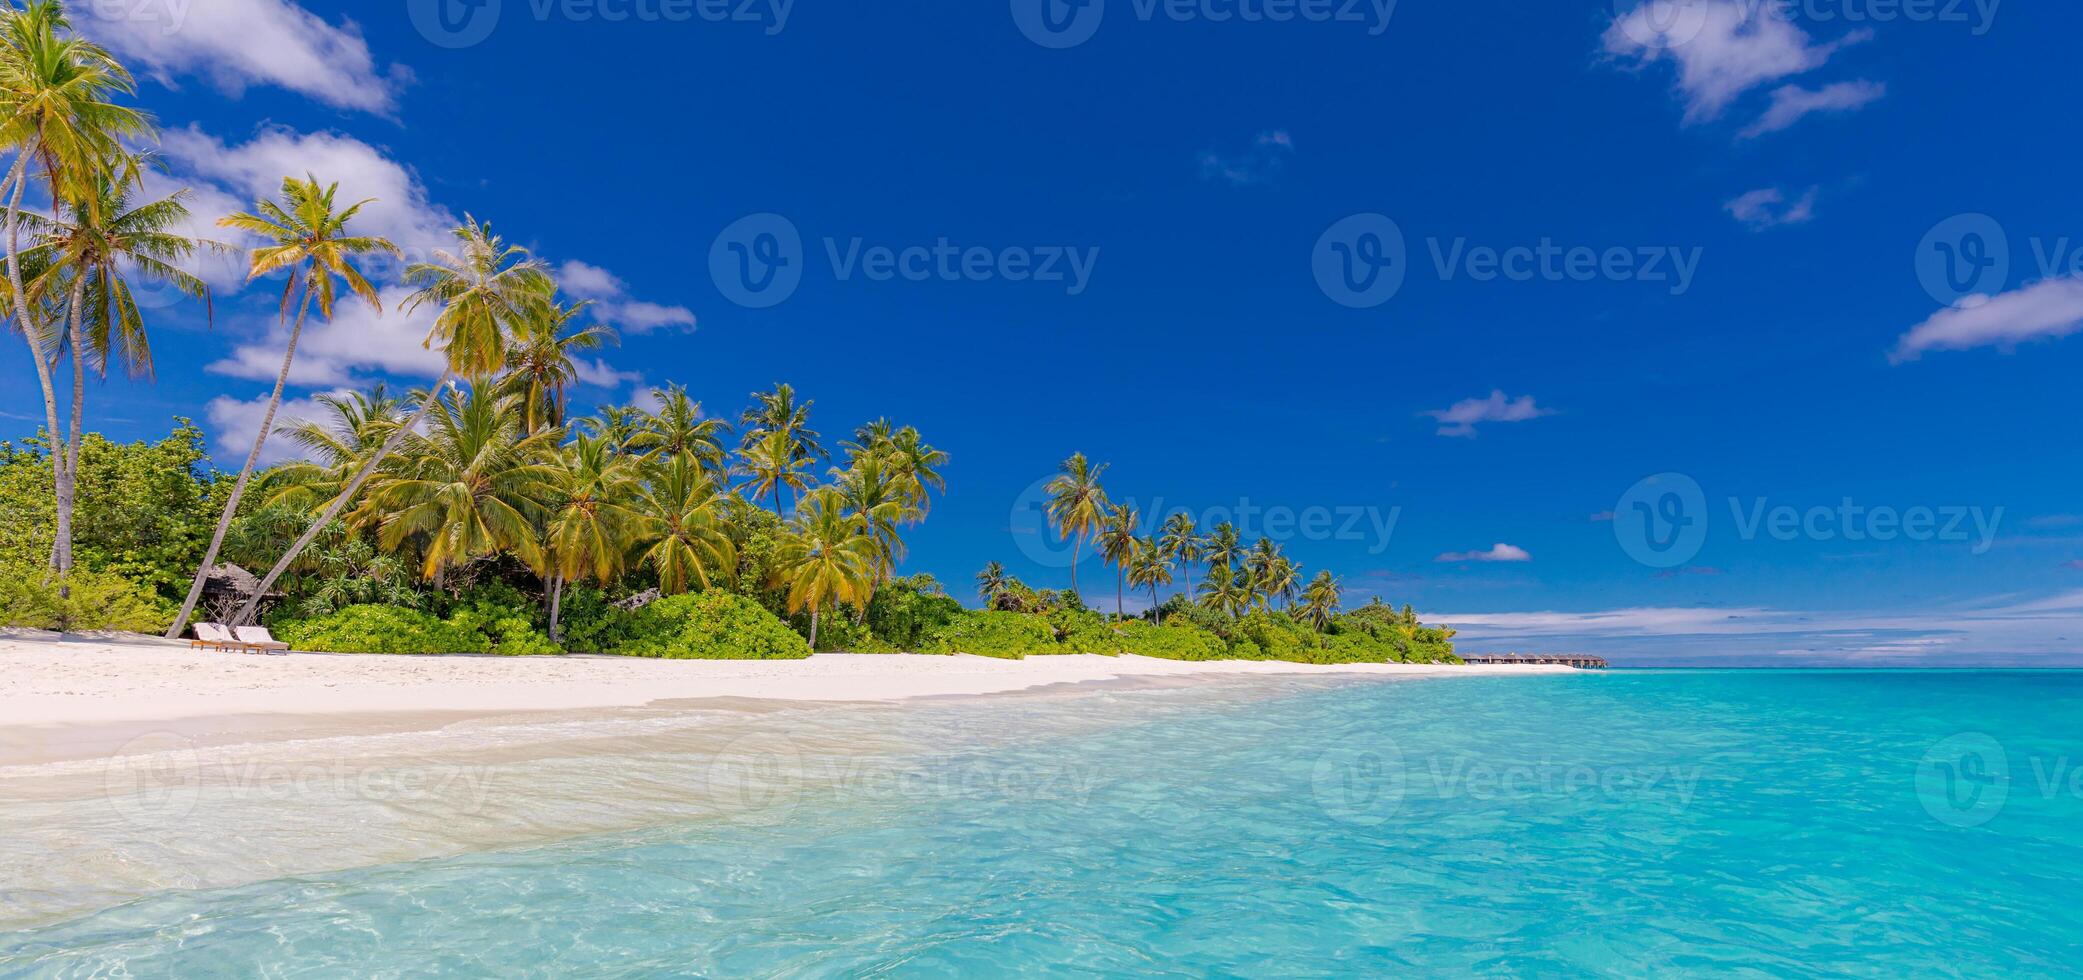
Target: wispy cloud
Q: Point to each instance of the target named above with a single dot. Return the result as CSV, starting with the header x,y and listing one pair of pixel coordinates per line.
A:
x,y
236,43
2047,309
1460,420
612,303
1768,207
1721,48
1263,161
1792,103
1498,552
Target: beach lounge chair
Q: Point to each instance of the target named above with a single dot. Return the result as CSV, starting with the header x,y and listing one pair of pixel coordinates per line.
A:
x,y
257,638
215,636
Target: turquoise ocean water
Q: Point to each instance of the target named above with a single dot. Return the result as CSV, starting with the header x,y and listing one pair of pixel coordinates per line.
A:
x,y
1682,822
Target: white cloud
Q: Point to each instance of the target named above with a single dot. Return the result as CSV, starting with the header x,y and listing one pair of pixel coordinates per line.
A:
x,y
357,342
235,422
600,374
1722,48
1498,552
236,43
401,210
1460,420
2046,309
612,304
1769,208
1792,103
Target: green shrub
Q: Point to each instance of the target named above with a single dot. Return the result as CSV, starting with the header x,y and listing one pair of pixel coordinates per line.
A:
x,y
1181,641
94,601
994,634
1277,637
383,629
511,619
1080,631
905,612
590,623
711,626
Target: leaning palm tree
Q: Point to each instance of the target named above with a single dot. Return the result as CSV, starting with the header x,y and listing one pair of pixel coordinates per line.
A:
x,y
1149,568
55,111
681,527
334,447
1182,543
990,582
1320,601
825,558
1077,504
539,363
308,231
487,291
92,255
1117,545
469,485
586,490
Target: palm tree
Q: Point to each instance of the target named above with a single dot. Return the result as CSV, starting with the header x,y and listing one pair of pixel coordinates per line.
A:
x,y
680,526
678,428
918,465
779,428
1270,572
773,462
488,291
587,489
335,447
826,557
55,89
1077,504
1225,592
619,424
90,258
469,484
1222,547
990,582
1182,544
1320,601
539,365
872,494
1149,568
1117,545
309,235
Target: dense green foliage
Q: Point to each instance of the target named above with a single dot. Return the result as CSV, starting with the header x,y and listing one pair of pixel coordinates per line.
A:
x,y
96,601
711,626
383,629
143,512
994,634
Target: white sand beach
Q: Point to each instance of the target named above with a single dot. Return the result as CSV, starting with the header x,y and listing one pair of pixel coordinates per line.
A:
x,y
46,680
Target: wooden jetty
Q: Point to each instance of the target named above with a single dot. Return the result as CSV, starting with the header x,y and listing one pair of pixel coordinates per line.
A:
x,y
1577,660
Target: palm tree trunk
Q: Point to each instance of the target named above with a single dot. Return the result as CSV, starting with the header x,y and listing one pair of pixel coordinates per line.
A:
x,y
333,509
814,610
68,483
1154,603
19,178
1120,586
238,490
556,606
1077,541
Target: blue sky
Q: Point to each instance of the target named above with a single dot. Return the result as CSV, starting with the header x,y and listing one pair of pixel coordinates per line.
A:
x,y
1701,269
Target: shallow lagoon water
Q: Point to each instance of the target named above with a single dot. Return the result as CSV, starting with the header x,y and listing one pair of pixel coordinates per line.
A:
x,y
1789,822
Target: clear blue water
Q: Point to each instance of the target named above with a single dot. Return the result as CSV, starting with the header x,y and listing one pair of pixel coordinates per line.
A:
x,y
1777,823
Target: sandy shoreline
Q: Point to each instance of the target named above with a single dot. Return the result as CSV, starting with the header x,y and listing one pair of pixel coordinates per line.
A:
x,y
75,695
